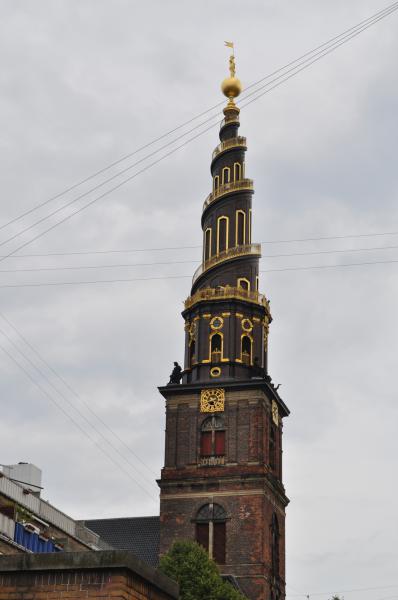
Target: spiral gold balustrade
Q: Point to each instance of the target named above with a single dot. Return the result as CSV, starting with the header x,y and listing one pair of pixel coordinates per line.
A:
x,y
236,142
228,188
234,252
226,293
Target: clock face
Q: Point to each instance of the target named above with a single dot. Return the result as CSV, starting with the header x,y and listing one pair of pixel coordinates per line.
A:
x,y
212,400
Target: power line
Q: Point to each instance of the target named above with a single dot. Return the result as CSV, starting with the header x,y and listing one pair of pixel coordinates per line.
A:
x,y
359,26
159,249
40,372
85,433
385,13
161,278
182,262
69,387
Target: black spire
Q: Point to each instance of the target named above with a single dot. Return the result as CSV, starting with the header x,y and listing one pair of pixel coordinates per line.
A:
x,y
226,318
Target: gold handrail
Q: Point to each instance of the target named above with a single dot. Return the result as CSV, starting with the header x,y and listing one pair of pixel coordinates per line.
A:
x,y
234,252
236,142
226,293
228,188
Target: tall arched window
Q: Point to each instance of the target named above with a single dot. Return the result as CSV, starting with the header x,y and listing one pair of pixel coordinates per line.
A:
x,y
192,350
212,437
246,350
240,229
272,447
275,545
226,175
207,244
222,234
216,183
216,347
237,171
211,530
244,283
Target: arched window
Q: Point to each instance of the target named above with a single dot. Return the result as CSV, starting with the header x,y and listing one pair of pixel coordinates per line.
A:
x,y
246,350
272,447
226,175
211,531
216,347
222,234
207,244
237,172
192,350
244,283
212,437
216,183
240,229
275,545
250,226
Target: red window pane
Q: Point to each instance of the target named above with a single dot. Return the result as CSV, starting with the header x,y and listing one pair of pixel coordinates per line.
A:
x,y
220,443
205,443
219,543
202,534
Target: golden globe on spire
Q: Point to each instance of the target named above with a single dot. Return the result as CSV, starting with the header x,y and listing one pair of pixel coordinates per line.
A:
x,y
231,87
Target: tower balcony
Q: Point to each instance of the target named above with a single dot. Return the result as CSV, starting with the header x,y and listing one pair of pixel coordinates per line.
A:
x,y
228,188
236,142
226,293
234,252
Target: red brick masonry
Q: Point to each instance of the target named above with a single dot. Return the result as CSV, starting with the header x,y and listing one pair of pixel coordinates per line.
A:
x,y
109,575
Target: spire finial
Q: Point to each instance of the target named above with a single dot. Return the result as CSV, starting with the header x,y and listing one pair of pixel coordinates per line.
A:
x,y
231,86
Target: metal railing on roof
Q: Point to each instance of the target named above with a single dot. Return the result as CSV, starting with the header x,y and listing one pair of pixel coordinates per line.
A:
x,y
228,254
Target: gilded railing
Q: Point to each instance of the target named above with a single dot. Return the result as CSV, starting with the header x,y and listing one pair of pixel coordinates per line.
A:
x,y
234,252
236,142
227,188
225,293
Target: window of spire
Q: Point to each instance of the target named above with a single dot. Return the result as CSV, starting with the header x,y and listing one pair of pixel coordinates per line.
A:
x,y
207,245
246,349
222,234
216,347
237,171
240,228
226,175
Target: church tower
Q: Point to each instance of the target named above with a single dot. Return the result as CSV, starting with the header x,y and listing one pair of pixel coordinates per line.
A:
x,y
221,484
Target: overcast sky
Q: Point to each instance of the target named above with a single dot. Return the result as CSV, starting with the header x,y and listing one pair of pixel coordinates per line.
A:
x,y
85,82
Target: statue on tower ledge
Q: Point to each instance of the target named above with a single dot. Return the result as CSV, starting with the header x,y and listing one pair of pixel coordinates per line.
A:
x,y
176,375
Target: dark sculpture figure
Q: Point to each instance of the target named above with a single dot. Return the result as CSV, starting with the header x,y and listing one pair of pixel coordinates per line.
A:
x,y
176,375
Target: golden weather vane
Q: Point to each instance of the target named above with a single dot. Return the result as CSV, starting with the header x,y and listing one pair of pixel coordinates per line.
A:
x,y
231,86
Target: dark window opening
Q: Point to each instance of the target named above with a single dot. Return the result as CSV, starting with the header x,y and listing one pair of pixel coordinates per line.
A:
x,y
240,229
207,244
216,348
222,234
246,350
192,350
272,448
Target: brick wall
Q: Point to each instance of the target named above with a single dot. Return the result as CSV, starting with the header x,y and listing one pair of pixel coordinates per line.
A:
x,y
246,486
109,575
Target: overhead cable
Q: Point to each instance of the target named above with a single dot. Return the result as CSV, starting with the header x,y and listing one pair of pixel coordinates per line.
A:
x,y
258,95
59,406
359,26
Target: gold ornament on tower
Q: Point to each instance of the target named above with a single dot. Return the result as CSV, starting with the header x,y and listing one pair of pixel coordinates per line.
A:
x,y
231,86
